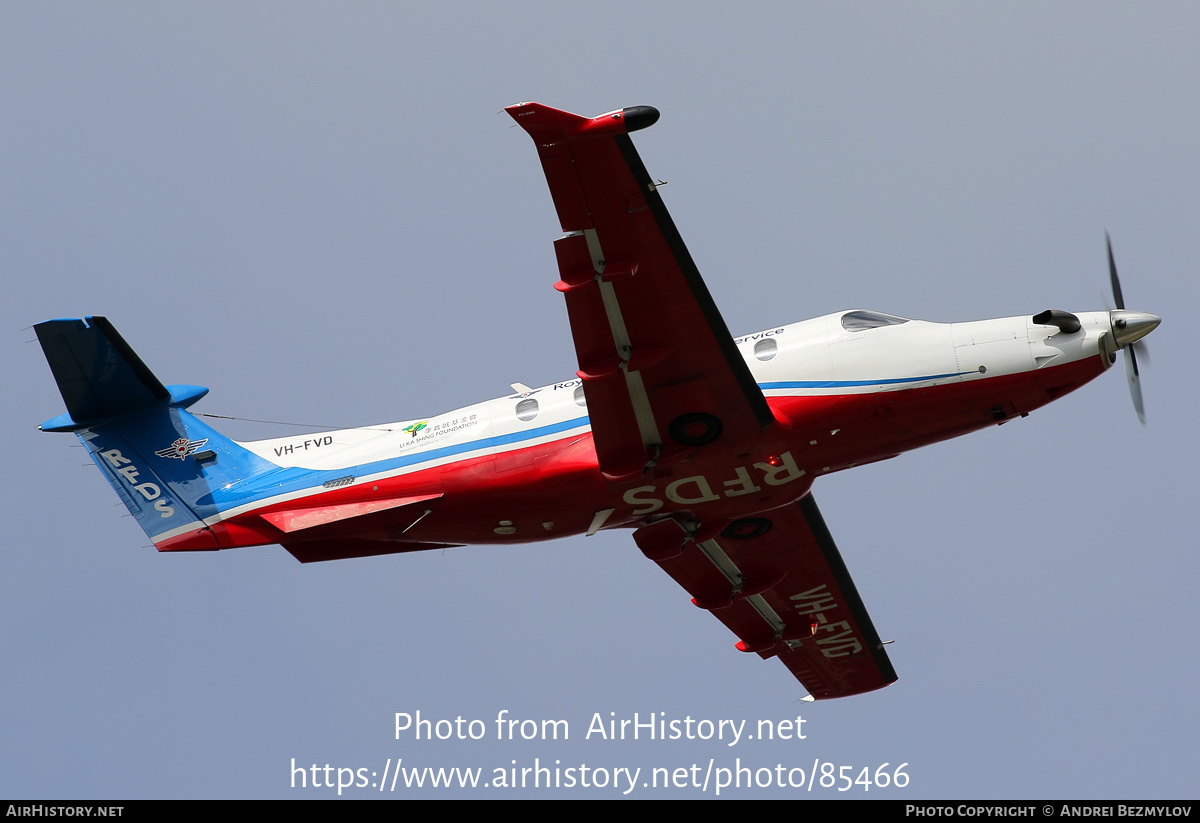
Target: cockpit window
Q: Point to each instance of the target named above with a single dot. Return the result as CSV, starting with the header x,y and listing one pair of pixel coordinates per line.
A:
x,y
863,320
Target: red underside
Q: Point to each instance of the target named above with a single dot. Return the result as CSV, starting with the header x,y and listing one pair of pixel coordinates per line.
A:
x,y
554,489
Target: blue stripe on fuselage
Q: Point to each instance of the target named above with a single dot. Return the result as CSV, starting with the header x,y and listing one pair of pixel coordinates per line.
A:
x,y
846,384
293,479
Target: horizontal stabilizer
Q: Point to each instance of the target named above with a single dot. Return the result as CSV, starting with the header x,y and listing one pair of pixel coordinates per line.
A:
x,y
317,551
298,519
99,376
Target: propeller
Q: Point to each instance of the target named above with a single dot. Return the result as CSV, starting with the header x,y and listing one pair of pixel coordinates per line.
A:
x,y
1129,327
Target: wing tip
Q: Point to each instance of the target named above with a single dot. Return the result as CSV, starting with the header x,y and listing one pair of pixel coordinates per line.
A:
x,y
547,122
640,117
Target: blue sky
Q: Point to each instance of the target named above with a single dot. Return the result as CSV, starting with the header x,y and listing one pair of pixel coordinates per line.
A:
x,y
321,213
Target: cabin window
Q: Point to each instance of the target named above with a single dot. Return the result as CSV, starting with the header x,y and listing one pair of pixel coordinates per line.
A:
x,y
766,349
580,398
863,320
527,409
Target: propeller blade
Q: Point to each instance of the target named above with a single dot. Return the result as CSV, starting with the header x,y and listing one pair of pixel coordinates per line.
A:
x,y
1135,383
1112,274
1143,352
1128,329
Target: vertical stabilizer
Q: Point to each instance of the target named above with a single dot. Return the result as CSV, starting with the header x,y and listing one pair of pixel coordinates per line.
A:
x,y
162,462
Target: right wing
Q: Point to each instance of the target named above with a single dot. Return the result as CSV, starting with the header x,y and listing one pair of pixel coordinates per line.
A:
x,y
779,583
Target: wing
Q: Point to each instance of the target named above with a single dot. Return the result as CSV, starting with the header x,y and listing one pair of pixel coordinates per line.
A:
x,y
779,583
663,378
661,373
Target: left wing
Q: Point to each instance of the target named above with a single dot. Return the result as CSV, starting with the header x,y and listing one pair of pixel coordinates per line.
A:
x,y
660,370
779,583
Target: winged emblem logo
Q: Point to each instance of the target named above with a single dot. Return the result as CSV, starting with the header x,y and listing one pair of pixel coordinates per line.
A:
x,y
182,447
